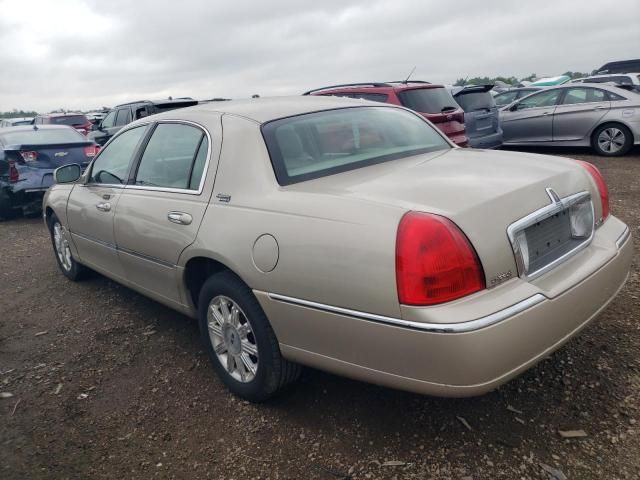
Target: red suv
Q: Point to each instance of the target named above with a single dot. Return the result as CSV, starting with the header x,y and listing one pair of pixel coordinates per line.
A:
x,y
75,120
433,102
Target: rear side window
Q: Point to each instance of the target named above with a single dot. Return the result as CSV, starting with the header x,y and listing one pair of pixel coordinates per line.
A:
x,y
174,157
471,102
123,117
318,144
112,164
428,100
615,96
584,95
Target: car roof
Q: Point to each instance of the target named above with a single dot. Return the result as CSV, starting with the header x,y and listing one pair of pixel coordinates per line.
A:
x,y
165,101
34,128
55,115
265,109
375,87
603,75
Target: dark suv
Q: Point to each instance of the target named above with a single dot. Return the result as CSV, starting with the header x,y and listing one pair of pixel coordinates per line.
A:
x,y
126,113
434,102
75,120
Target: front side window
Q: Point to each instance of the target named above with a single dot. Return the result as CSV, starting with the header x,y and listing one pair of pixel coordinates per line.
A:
x,y
583,95
109,120
174,157
124,117
542,99
112,164
318,144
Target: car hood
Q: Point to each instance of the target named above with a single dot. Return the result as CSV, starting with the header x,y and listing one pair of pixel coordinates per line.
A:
x,y
482,191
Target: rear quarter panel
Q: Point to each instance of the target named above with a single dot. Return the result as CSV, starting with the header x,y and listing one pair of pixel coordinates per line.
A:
x,y
331,249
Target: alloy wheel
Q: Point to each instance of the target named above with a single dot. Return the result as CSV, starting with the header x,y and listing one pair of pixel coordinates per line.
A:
x,y
62,247
232,337
611,140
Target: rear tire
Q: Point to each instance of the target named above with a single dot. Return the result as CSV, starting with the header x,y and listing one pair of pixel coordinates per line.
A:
x,y
612,140
67,264
239,340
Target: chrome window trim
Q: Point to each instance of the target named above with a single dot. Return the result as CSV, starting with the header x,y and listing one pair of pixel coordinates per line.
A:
x,y
205,170
542,214
445,328
624,236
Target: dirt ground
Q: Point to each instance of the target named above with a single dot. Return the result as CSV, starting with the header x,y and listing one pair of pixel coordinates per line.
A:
x,y
97,381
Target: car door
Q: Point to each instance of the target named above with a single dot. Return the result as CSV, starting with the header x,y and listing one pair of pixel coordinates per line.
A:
x,y
530,119
92,204
159,213
579,111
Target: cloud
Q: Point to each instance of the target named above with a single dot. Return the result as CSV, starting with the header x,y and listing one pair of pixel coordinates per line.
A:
x,y
83,54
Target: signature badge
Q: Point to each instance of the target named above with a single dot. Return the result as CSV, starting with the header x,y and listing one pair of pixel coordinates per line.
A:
x,y
61,154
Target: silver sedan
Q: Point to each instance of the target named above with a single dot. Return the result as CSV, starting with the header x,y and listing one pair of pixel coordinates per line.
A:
x,y
604,117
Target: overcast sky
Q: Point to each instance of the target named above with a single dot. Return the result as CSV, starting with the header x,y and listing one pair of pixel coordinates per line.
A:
x,y
79,54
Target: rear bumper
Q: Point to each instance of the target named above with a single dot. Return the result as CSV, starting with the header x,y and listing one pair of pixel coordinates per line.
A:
x,y
413,355
493,140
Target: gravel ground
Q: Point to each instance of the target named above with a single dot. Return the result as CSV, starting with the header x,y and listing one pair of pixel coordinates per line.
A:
x,y
105,383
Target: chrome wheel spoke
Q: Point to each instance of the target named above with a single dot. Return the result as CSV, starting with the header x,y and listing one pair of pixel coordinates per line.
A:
x,y
226,313
215,328
215,313
221,348
248,363
231,364
249,348
243,330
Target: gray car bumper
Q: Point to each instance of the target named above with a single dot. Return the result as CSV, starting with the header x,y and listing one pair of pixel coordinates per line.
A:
x,y
487,141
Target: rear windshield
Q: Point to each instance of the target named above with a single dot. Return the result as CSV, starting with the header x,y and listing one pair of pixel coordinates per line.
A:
x,y
319,144
470,102
42,137
428,100
70,120
164,107
21,122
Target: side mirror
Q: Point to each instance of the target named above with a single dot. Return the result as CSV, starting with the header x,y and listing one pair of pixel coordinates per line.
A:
x,y
67,173
514,107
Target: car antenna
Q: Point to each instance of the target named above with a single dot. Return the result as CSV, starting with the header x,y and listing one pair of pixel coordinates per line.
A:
x,y
406,80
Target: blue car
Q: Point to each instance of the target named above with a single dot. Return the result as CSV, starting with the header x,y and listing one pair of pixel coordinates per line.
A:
x,y
28,156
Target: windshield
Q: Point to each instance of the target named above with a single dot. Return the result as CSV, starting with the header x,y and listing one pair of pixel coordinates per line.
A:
x,y
470,102
70,120
318,144
428,100
42,137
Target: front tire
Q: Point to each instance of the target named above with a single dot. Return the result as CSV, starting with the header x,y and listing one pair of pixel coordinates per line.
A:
x,y
239,340
612,140
67,264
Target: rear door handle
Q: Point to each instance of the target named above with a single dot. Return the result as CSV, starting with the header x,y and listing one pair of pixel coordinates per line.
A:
x,y
180,218
104,207
546,113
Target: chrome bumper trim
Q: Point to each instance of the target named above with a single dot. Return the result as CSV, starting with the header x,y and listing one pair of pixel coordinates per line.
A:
x,y
624,236
460,327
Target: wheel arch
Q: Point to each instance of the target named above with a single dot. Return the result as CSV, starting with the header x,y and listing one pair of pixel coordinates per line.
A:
x,y
197,270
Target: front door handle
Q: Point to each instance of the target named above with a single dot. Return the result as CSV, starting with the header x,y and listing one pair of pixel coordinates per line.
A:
x,y
180,218
104,207
546,113
599,107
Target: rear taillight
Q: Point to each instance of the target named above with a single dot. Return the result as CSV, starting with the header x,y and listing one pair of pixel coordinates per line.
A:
x,y
435,263
91,151
29,156
603,190
14,175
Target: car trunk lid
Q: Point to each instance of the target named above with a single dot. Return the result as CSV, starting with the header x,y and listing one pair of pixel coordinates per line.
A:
x,y
483,192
